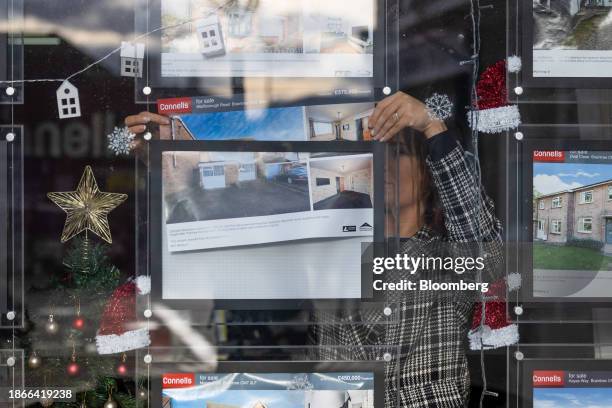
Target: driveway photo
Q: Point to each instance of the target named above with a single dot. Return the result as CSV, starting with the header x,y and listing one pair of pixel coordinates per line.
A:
x,y
219,185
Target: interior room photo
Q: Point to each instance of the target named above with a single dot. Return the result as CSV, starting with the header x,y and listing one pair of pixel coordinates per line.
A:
x,y
342,182
339,122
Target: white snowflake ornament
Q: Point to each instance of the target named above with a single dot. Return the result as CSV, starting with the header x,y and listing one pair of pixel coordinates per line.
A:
x,y
439,106
300,382
514,63
514,281
121,141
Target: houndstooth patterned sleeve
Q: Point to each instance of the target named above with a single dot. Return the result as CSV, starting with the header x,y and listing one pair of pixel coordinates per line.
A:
x,y
469,214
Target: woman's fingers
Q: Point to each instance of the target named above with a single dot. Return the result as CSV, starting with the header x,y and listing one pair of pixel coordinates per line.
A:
x,y
143,118
384,116
137,129
386,126
375,117
137,124
394,130
396,121
135,120
159,119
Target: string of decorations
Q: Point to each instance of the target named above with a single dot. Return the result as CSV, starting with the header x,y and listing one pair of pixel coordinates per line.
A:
x,y
132,62
475,61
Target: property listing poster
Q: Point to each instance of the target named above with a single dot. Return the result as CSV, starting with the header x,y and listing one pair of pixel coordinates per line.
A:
x,y
261,390
569,388
262,206
572,38
572,223
292,38
217,118
223,199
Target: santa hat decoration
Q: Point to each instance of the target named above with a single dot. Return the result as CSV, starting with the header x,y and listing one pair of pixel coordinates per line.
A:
x,y
494,115
119,330
497,330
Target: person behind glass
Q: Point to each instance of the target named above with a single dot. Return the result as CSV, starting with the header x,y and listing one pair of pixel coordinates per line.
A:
x,y
438,200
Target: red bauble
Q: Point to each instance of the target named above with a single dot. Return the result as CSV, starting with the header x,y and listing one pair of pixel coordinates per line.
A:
x,y
73,368
121,369
78,323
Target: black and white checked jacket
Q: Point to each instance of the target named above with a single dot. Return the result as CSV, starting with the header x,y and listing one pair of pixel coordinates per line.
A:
x,y
430,331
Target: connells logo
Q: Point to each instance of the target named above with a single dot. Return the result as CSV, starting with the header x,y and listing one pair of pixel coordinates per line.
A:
x,y
548,156
349,228
178,380
365,227
548,378
174,105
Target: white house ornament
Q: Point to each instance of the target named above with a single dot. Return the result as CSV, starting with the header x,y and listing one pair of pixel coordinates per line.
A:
x,y
210,37
68,104
132,59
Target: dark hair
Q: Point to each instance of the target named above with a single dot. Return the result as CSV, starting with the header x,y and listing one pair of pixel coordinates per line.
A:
x,y
414,144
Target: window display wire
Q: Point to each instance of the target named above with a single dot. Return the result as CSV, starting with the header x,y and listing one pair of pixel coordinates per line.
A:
x,y
117,49
475,16
12,150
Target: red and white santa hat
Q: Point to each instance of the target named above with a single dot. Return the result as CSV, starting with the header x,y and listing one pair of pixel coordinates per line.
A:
x,y
119,328
496,330
494,114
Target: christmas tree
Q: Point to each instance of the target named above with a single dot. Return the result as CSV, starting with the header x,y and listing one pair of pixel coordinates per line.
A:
x,y
60,345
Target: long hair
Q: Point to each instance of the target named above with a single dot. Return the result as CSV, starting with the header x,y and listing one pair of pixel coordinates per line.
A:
x,y
414,144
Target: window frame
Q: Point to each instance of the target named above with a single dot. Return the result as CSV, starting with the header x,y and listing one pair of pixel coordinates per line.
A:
x,y
556,227
583,195
581,224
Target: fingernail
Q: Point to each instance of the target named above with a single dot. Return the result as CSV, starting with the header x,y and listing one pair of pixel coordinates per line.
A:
x,y
146,119
373,132
166,121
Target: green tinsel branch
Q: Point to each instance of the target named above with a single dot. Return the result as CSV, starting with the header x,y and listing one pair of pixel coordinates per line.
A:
x,y
87,282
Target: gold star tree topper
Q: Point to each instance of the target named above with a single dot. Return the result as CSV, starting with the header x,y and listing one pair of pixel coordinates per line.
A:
x,y
87,208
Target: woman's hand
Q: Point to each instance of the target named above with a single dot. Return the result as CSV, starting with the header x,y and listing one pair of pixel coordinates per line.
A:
x,y
138,123
399,111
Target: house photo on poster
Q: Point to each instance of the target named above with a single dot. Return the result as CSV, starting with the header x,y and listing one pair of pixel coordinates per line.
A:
x,y
293,38
271,124
216,199
572,38
208,119
262,390
571,388
572,223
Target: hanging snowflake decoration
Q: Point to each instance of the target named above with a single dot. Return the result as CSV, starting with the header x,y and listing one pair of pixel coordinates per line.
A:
x,y
514,64
300,382
514,281
121,141
439,106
